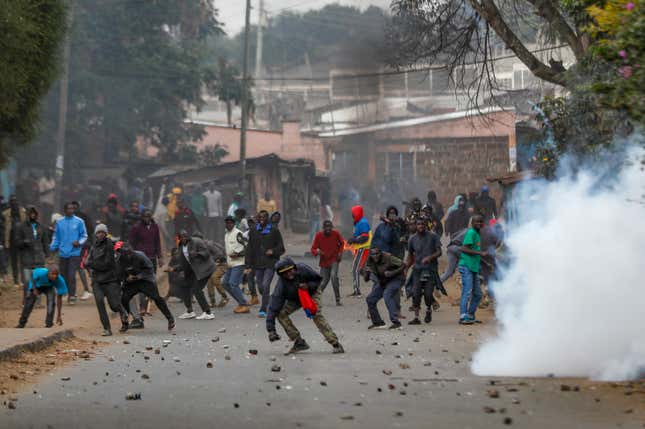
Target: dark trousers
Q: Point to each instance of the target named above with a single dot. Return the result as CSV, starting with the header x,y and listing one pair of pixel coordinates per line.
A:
x,y
30,301
150,290
389,293
195,288
263,278
111,291
330,273
13,254
68,268
214,228
425,289
250,281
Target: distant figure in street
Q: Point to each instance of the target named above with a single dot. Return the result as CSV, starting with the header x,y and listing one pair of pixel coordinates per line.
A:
x,y
315,207
112,216
102,264
360,243
298,287
469,265
130,219
69,237
31,240
48,282
328,245
214,213
236,204
485,205
185,219
458,217
14,216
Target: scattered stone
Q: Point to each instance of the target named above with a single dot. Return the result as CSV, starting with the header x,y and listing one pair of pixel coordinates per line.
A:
x,y
11,405
629,411
391,386
214,340
13,377
358,404
565,388
209,364
516,401
276,368
221,330
146,358
379,389
403,392
157,351
176,359
378,352
126,342
404,366
398,414
253,352
227,357
395,343
148,348
166,342
133,396
427,364
512,389
268,404
508,421
387,372
416,340
347,417
236,405
489,410
492,393
66,378
323,383
145,376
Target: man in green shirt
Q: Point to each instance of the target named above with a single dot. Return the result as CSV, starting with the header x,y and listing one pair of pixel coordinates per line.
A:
x,y
469,261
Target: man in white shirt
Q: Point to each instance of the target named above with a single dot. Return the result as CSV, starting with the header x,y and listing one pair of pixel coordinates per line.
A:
x,y
234,247
214,213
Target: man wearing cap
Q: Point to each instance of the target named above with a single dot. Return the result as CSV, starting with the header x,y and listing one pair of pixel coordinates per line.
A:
x,y
31,241
136,272
298,286
105,284
485,205
236,204
48,282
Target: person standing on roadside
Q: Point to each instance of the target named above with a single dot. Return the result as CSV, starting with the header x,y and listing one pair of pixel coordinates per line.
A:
x,y
69,237
48,282
263,251
130,219
328,245
315,206
214,212
31,240
424,250
14,217
469,265
235,250
105,284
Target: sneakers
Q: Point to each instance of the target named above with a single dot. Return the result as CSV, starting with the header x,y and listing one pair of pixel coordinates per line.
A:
x,y
435,305
171,325
414,321
395,325
339,304
205,316
428,317
466,321
262,314
222,303
188,315
124,327
380,325
106,333
20,326
254,300
355,295
71,300
241,309
299,345
86,295
137,324
338,349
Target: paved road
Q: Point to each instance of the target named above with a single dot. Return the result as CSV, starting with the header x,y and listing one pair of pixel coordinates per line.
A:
x,y
313,390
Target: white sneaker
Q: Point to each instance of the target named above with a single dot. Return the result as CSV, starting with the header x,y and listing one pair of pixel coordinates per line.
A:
x,y
188,315
206,316
86,295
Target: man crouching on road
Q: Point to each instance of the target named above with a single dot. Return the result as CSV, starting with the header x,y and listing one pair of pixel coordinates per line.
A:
x,y
48,282
298,287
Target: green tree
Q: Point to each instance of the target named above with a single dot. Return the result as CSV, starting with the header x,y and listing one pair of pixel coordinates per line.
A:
x,y
31,31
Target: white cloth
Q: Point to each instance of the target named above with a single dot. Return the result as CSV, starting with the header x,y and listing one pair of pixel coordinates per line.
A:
x,y
184,250
232,208
214,203
232,246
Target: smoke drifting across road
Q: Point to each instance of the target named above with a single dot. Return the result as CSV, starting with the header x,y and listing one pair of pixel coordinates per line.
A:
x,y
571,302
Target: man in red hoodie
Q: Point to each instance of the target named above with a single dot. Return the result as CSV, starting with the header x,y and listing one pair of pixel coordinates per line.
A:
x,y
328,245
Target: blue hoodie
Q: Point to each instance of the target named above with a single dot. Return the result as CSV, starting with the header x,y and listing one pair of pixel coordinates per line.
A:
x,y
68,230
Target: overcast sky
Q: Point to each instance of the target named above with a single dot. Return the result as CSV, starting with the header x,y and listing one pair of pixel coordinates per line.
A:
x,y
231,12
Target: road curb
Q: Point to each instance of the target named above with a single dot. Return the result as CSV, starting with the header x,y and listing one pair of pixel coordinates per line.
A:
x,y
35,345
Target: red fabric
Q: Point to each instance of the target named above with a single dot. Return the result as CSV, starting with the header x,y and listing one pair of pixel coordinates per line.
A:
x,y
331,246
357,213
307,303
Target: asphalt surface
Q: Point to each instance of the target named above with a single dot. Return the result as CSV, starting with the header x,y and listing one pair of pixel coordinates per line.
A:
x,y
413,378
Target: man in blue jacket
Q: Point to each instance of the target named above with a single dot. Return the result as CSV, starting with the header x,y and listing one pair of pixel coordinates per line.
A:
x,y
69,237
48,282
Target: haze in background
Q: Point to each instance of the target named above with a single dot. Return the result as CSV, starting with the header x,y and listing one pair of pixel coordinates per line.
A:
x,y
571,302
231,13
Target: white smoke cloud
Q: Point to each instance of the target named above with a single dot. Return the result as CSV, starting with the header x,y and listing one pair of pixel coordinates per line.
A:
x,y
572,301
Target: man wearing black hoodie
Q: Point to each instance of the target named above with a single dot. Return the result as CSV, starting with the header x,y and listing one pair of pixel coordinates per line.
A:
x,y
263,251
105,284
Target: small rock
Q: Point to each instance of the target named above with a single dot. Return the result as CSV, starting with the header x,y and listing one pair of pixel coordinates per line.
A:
x,y
65,378
508,421
378,352
133,396
404,366
236,405
515,401
176,359
216,339
403,392
358,404
209,364
276,368
145,376
221,330
253,352
398,414
391,386
148,348
387,372
126,342
13,377
565,388
323,383
489,410
395,343
379,389
492,393
629,411
427,364
227,357
347,417
157,351
416,340
11,405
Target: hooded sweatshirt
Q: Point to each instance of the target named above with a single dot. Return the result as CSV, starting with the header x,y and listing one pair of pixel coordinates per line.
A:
x,y
68,230
361,227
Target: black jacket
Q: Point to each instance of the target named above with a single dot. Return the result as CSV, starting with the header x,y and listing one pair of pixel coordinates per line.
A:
x,y
136,263
259,243
129,221
287,290
100,260
32,250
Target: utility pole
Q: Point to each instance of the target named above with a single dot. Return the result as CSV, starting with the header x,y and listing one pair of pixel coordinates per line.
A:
x,y
62,112
260,40
245,94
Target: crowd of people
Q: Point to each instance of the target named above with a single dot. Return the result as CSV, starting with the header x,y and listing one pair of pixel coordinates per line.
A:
x,y
222,250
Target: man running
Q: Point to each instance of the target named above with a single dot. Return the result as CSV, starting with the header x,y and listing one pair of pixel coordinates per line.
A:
x,y
360,243
328,245
298,286
137,273
48,282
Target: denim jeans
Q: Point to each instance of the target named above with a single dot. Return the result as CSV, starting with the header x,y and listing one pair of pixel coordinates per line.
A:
x,y
231,282
263,278
314,227
389,294
330,273
30,301
26,278
471,293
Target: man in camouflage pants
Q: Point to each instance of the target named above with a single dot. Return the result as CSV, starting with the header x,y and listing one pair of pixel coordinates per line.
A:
x,y
285,300
215,282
